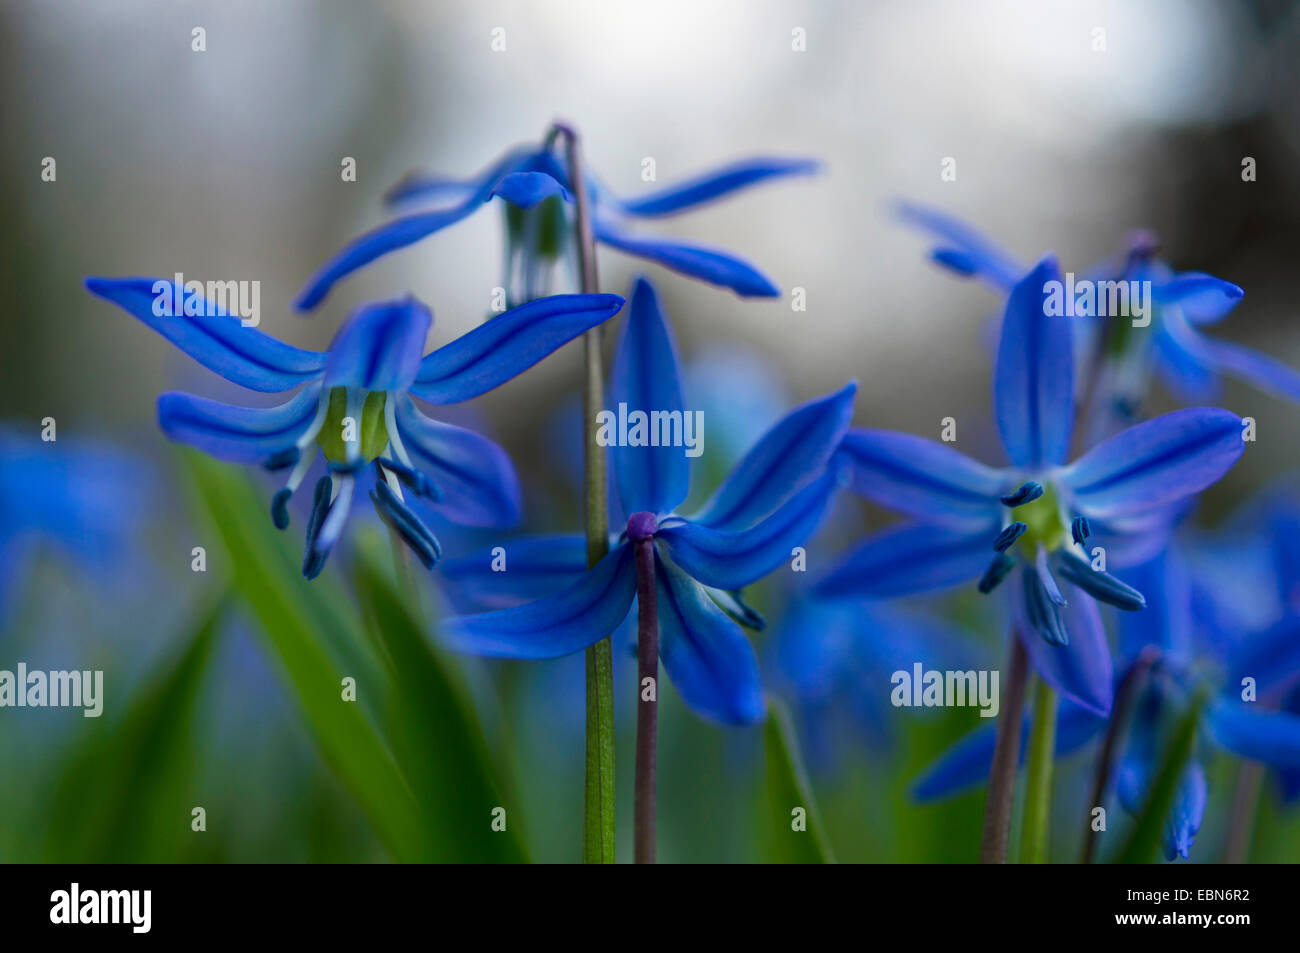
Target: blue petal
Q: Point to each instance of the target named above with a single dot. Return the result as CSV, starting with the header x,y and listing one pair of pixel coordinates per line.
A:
x,y
1226,357
402,232
238,434
526,189
921,478
696,261
218,341
1269,736
647,378
1033,384
583,614
705,188
534,567
428,187
1270,657
794,451
1082,669
508,345
479,482
707,656
1166,622
1202,298
379,347
1155,463
966,763
910,559
963,248
728,560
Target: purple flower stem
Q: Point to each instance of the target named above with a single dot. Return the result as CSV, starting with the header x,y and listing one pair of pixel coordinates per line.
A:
x,y
647,712
1006,759
1125,694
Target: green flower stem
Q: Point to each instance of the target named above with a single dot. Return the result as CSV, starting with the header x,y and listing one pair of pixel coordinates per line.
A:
x,y
598,801
1038,779
1245,808
1006,758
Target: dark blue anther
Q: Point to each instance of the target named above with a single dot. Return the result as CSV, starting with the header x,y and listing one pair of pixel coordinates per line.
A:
x,y
407,525
418,483
1027,493
1080,530
348,467
1009,535
1102,586
1043,614
280,508
997,571
284,457
312,560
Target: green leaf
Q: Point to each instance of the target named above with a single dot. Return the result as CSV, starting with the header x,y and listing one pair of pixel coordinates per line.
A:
x,y
127,789
790,825
1143,846
318,642
435,731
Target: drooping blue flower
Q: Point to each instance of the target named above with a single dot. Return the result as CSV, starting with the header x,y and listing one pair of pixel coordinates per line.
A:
x,y
534,184
769,504
1187,360
83,498
354,402
1033,523
1189,653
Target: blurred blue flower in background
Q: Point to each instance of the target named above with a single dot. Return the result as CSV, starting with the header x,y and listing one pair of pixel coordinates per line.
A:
x,y
83,498
1188,361
535,186
1040,507
771,502
355,403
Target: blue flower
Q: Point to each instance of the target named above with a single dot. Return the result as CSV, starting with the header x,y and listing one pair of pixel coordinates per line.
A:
x,y
354,402
769,504
534,184
85,499
1188,361
1037,517
1188,652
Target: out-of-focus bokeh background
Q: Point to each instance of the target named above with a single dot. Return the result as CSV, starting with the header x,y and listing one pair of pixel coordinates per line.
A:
x,y
1070,124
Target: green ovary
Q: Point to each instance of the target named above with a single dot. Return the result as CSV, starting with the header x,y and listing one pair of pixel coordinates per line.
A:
x,y
373,431
1047,527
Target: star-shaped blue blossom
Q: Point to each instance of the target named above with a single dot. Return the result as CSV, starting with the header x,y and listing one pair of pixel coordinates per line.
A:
x,y
354,403
770,503
534,184
1188,361
1035,517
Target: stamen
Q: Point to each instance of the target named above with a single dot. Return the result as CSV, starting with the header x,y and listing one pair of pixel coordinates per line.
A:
x,y
1028,492
313,429
1080,530
312,561
1009,535
1044,616
332,527
407,525
415,480
280,508
284,457
1047,579
997,571
394,436
1102,586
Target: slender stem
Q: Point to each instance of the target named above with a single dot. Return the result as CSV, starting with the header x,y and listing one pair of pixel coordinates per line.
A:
x,y
647,712
1038,777
1245,805
598,799
1125,693
1006,758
